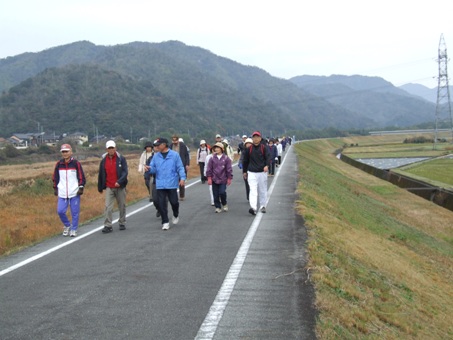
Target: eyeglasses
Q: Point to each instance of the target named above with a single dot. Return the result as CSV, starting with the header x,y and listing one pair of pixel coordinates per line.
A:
x,y
64,151
111,148
175,139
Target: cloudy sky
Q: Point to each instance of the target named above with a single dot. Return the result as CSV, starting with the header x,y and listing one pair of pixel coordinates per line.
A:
x,y
394,39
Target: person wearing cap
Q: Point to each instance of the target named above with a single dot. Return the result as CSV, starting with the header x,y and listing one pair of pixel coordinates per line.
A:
x,y
247,143
68,183
241,144
255,167
183,151
220,174
226,148
112,178
202,153
169,172
145,159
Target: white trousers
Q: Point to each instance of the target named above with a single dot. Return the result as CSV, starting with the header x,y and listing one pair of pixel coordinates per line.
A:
x,y
258,189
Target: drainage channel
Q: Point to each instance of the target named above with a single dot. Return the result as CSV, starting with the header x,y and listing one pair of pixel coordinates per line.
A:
x,y
437,195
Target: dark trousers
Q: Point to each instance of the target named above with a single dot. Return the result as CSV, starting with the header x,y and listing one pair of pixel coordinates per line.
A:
x,y
182,189
203,179
149,184
220,195
247,188
172,196
272,168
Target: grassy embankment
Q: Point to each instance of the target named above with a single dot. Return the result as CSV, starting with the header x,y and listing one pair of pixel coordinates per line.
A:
x,y
380,258
28,206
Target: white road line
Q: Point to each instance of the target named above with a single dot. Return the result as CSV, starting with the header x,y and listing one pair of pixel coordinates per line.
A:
x,y
76,239
212,319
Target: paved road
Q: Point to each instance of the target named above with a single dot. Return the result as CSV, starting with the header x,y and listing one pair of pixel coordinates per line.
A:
x,y
213,276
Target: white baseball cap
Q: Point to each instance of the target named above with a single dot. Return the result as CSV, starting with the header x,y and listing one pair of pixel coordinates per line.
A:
x,y
110,144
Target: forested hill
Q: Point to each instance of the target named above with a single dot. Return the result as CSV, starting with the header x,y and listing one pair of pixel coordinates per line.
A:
x,y
148,87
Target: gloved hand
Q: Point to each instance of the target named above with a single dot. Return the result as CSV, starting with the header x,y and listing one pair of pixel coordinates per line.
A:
x,y
80,191
229,181
210,180
55,191
240,166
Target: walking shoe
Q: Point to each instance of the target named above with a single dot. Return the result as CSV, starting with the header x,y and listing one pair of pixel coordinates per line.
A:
x,y
212,203
165,226
73,233
122,227
181,198
218,210
157,213
263,210
107,230
252,211
66,231
175,220
225,207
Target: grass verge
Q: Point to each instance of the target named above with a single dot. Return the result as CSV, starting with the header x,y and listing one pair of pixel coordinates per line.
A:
x,y
380,257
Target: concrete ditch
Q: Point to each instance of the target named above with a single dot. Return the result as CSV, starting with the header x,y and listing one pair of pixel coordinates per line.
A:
x,y
437,195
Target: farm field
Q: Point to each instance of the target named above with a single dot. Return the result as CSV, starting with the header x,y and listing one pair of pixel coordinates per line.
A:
x,y
28,206
437,170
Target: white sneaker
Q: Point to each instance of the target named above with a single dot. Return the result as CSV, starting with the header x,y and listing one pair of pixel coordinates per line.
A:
x,y
165,226
175,220
218,210
66,231
225,208
73,233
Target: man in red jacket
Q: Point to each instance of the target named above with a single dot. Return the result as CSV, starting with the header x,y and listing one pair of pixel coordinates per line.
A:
x,y
113,179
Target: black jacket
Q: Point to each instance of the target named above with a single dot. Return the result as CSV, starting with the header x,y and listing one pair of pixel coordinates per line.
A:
x,y
183,153
255,158
121,171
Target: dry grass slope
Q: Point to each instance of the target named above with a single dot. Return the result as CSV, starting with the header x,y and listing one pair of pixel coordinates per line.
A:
x,y
380,257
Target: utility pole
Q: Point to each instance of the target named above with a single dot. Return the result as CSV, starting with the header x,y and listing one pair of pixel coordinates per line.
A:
x,y
443,106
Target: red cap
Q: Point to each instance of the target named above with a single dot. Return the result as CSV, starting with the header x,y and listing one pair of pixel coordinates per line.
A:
x,y
256,133
65,147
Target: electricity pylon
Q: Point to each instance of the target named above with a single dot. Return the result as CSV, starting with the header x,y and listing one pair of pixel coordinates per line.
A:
x,y
443,107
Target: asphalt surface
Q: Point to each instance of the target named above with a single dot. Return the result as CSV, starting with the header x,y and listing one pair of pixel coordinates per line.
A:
x,y
213,276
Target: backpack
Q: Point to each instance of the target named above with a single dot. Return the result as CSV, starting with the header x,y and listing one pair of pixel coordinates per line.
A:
x,y
261,147
208,151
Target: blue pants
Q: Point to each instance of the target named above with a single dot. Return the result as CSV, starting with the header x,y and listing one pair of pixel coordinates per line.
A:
x,y
74,204
219,193
171,195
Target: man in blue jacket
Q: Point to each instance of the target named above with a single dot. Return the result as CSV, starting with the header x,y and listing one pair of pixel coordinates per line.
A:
x,y
169,172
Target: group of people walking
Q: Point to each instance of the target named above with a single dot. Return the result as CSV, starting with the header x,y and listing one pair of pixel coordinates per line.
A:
x,y
164,166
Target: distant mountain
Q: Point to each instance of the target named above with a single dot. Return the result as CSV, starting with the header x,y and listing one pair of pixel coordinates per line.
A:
x,y
206,92
371,97
423,91
144,88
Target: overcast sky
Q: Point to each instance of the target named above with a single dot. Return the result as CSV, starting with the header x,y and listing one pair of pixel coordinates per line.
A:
x,y
394,39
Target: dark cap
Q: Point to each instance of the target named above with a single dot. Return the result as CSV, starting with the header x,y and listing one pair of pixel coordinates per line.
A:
x,y
148,144
160,141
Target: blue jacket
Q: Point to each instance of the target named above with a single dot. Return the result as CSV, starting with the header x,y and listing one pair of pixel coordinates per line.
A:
x,y
167,171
